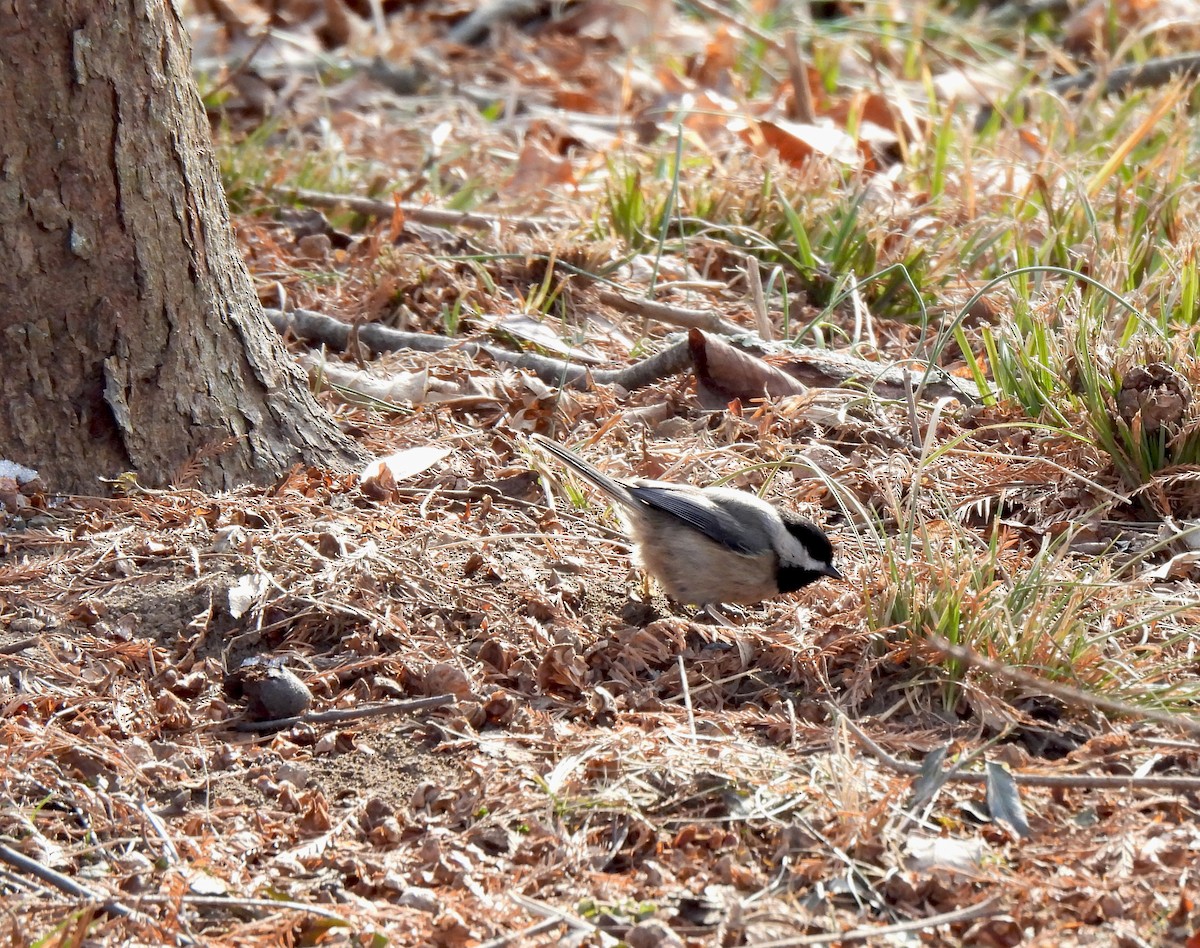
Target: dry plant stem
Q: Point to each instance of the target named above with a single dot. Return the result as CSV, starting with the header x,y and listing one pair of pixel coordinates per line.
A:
x,y
12,648
768,39
762,318
241,67
1152,74
349,714
687,696
475,26
535,907
429,216
706,319
519,938
170,853
226,901
1072,782
68,885
1065,693
802,103
982,910
19,883
332,332
1155,72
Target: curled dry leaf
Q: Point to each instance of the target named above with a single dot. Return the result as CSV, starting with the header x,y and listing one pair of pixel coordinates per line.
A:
x,y
537,170
797,142
725,373
946,853
562,670
11,496
1180,566
399,387
446,679
379,478
229,539
246,592
538,333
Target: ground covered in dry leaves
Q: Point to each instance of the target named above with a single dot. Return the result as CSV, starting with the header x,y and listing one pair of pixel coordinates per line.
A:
x,y
613,768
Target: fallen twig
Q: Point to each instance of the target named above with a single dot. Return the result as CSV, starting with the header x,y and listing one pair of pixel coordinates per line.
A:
x,y
419,213
19,646
1072,696
972,912
334,333
1064,781
1151,74
524,934
170,853
475,26
707,319
65,883
348,714
817,368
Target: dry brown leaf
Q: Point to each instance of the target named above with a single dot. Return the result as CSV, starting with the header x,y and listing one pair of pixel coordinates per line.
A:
x,y
383,474
724,373
797,142
537,170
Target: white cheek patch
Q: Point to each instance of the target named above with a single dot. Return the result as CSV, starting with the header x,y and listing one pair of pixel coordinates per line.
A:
x,y
793,553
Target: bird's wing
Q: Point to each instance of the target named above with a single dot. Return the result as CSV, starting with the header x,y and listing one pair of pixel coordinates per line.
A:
x,y
690,506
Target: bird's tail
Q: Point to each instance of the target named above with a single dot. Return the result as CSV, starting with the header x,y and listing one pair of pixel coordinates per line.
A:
x,y
616,490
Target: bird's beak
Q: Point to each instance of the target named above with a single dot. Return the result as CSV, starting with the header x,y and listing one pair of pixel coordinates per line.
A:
x,y
831,571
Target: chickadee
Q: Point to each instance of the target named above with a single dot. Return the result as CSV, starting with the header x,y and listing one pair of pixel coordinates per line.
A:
x,y
711,545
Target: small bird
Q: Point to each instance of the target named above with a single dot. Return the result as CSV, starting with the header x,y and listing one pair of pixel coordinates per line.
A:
x,y
711,545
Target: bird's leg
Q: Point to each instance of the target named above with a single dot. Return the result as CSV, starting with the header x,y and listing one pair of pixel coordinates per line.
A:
x,y
647,592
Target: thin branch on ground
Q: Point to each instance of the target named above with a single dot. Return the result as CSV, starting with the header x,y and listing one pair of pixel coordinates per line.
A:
x,y
12,648
316,327
170,853
1147,75
1072,696
816,368
429,216
1066,781
349,714
982,910
69,886
707,319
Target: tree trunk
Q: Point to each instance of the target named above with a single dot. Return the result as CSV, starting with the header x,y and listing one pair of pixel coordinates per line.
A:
x,y
131,338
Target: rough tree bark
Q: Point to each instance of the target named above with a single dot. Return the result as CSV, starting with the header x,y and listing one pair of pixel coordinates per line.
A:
x,y
130,335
